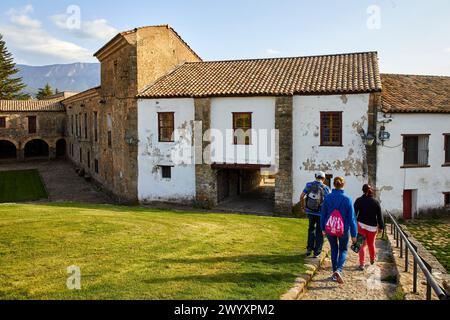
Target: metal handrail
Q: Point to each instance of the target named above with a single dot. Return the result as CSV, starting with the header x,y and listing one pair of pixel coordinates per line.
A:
x,y
431,281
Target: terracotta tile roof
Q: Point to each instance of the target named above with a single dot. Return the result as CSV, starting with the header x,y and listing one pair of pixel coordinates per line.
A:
x,y
330,74
31,105
414,93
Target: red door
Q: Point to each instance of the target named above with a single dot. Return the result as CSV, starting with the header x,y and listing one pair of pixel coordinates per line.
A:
x,y
407,204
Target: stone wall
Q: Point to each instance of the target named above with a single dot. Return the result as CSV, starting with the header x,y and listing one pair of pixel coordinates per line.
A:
x,y
205,176
50,125
128,65
371,151
283,182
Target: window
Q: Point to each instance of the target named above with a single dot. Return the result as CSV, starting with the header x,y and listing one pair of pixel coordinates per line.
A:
x,y
329,180
109,125
89,159
447,148
85,126
2,122
32,128
95,126
447,199
166,172
79,125
331,129
242,128
96,166
166,126
81,156
415,150
76,125
71,123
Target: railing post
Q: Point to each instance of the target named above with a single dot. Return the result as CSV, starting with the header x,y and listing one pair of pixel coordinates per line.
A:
x,y
401,247
406,259
428,282
414,271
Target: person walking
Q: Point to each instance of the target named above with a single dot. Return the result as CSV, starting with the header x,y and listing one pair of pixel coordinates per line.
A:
x,y
337,222
311,201
370,223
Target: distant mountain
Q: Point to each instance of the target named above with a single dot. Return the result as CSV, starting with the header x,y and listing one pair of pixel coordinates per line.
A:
x,y
64,77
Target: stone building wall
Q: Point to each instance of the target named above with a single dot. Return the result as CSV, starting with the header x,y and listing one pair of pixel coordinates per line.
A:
x,y
205,176
128,63
50,125
284,182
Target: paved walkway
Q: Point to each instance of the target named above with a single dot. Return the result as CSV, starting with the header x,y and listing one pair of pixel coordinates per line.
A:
x,y
375,283
61,181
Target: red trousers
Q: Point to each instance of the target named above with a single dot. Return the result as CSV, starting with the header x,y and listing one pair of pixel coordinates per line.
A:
x,y
370,242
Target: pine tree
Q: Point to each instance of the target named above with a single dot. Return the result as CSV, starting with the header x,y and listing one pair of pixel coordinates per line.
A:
x,y
44,92
10,87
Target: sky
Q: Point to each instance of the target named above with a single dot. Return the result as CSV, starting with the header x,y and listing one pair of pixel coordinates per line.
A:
x,y
411,36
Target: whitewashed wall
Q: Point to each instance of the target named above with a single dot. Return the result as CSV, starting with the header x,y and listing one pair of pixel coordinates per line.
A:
x,y
152,154
430,183
263,117
308,156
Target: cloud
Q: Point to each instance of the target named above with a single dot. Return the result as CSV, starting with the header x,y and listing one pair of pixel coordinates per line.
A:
x,y
273,52
32,43
96,29
20,17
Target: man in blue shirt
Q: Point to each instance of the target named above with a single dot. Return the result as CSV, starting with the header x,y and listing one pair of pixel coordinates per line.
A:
x,y
311,201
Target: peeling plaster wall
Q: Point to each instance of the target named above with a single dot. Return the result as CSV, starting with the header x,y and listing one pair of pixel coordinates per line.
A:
x,y
152,154
263,117
348,161
431,182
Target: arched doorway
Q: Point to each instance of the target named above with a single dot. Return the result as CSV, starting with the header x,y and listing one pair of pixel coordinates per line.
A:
x,y
7,150
36,149
61,148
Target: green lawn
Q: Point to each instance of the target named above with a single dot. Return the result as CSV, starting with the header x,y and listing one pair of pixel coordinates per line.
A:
x,y
21,186
134,253
434,234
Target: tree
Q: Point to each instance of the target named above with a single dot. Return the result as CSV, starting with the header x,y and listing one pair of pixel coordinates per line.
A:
x,y
10,87
44,92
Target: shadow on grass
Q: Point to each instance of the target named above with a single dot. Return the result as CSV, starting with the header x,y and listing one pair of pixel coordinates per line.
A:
x,y
243,278
260,259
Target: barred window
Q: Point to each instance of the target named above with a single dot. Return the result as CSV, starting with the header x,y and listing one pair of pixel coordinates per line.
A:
x,y
415,150
447,148
331,129
2,122
166,125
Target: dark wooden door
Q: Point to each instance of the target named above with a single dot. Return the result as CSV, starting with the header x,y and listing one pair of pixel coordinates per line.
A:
x,y
407,204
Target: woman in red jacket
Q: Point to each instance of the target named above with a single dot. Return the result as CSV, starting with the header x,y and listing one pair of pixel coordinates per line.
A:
x,y
370,223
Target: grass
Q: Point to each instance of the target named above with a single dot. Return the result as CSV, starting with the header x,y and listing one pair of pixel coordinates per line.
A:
x,y
135,253
434,234
21,186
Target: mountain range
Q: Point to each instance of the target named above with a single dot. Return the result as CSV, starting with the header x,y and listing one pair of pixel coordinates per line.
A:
x,y
64,77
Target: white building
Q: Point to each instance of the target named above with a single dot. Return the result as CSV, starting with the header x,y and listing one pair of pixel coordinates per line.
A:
x,y
413,166
304,114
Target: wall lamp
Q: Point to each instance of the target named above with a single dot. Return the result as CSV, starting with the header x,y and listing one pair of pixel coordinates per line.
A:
x,y
368,139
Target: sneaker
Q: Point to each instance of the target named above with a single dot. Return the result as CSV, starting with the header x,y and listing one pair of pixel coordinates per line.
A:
x,y
317,255
362,267
333,278
372,262
308,253
339,278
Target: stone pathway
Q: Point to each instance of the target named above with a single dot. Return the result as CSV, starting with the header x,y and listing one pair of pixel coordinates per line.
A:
x,y
61,181
375,283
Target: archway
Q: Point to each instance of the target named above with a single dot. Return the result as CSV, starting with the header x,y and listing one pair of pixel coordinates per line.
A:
x,y
7,150
61,148
36,148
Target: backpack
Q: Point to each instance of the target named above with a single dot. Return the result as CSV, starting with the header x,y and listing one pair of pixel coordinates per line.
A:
x,y
315,197
335,224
